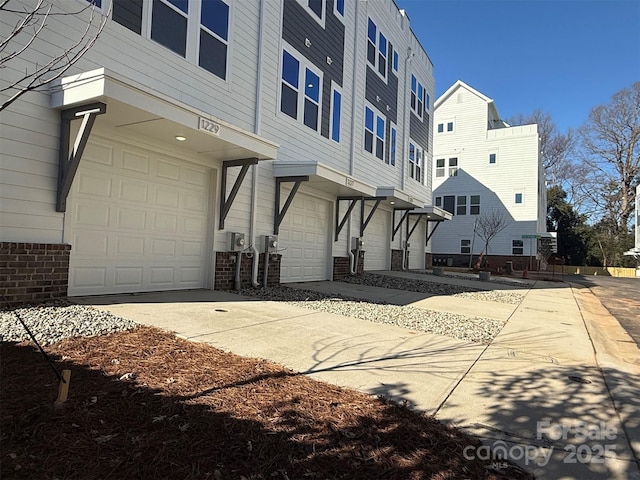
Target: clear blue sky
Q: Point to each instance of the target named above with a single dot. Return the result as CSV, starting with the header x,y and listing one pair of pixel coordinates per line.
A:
x,y
561,56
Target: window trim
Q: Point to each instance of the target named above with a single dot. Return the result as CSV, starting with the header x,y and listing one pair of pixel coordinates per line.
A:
x,y
376,116
418,86
321,21
519,247
337,12
440,170
473,206
467,246
393,144
303,65
453,169
376,65
335,89
461,205
416,166
515,200
495,158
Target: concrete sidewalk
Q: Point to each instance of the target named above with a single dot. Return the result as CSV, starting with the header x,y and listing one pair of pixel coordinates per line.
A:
x,y
535,393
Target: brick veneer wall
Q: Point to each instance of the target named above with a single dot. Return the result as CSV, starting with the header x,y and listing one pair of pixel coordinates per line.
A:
x,y
226,270
396,260
342,266
33,272
495,262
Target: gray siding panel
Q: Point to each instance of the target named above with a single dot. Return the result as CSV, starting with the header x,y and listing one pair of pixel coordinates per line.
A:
x,y
388,93
419,130
298,26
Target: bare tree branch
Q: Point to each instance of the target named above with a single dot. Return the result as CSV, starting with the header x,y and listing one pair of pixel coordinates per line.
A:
x,y
58,64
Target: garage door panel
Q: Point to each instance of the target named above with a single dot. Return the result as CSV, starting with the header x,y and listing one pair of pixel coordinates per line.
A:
x,y
135,162
304,235
133,246
97,186
376,241
149,233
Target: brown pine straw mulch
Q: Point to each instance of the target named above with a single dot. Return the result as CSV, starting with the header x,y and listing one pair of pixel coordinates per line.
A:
x,y
147,405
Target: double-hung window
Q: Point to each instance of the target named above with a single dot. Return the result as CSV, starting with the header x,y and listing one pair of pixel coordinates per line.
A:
x,y
474,205
374,132
393,146
336,114
171,22
302,104
461,206
465,245
517,247
315,9
453,167
338,7
439,167
377,49
416,155
214,37
418,96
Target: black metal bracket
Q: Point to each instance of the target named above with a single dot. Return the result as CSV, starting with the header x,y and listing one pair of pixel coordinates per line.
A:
x,y
402,219
69,159
410,231
339,226
280,213
364,222
353,200
435,227
226,202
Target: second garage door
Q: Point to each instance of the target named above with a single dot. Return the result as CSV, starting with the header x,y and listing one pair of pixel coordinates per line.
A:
x,y
304,234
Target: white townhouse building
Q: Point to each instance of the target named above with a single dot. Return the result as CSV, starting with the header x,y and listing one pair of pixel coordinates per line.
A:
x,y
482,165
195,136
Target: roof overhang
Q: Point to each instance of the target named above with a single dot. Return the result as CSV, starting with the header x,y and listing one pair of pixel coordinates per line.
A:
x,y
399,198
434,214
133,108
324,178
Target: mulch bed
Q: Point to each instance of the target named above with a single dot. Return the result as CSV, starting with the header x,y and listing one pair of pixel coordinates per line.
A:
x,y
147,405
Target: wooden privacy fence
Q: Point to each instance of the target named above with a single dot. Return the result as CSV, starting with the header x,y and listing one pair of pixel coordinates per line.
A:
x,y
581,270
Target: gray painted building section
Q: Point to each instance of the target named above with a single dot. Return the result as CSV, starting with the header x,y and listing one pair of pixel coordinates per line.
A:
x,y
419,130
297,28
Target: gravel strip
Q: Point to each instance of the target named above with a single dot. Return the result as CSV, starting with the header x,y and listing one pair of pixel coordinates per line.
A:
x,y
434,288
494,279
493,296
474,329
52,321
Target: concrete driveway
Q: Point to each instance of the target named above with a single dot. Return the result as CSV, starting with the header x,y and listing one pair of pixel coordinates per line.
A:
x,y
529,391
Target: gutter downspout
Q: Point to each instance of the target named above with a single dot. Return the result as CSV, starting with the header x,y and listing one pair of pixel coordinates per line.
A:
x,y
352,161
405,135
255,168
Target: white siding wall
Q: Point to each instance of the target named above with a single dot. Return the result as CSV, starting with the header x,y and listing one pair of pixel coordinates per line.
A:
x,y
30,129
517,170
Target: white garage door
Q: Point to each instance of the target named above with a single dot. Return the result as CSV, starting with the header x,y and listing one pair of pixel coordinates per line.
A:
x,y
136,221
303,236
417,248
376,241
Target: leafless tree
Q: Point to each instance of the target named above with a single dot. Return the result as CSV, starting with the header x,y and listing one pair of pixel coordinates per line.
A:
x,y
489,225
29,24
555,147
611,149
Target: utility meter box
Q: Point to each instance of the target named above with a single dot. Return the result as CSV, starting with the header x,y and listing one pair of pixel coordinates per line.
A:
x,y
357,243
270,243
406,245
236,242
